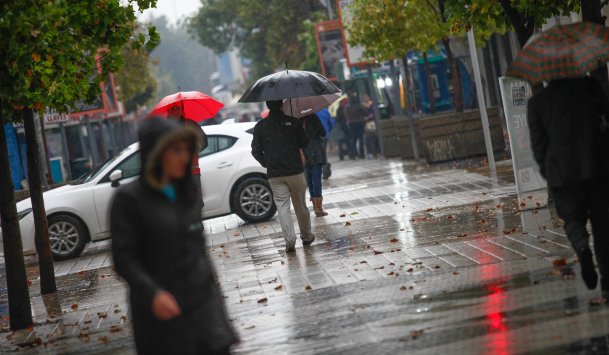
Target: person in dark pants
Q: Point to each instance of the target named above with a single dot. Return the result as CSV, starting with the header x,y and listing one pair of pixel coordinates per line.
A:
x,y
355,117
568,144
328,122
159,250
344,140
315,158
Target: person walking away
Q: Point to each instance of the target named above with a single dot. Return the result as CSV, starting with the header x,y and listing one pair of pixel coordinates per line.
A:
x,y
568,143
277,146
371,138
159,250
356,127
176,113
344,136
328,122
315,158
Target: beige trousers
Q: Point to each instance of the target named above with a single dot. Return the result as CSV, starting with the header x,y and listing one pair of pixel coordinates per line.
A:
x,y
294,188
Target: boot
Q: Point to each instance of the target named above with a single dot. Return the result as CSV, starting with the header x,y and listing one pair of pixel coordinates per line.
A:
x,y
317,203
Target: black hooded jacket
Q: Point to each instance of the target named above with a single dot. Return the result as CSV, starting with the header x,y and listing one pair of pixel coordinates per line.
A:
x,y
277,142
158,245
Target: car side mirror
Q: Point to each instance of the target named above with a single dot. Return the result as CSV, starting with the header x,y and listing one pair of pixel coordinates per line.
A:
x,y
115,177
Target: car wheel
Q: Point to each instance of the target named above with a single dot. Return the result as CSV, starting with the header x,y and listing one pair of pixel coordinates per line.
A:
x,y
253,200
67,236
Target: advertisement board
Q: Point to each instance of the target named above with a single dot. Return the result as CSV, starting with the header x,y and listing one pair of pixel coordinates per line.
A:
x,y
330,47
531,186
355,54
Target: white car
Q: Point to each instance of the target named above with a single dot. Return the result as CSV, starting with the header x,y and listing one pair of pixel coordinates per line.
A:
x,y
232,182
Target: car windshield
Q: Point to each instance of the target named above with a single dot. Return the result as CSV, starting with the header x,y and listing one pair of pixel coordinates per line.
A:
x,y
95,173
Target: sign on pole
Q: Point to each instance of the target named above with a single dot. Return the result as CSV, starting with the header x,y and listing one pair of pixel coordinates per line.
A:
x,y
355,54
531,186
330,47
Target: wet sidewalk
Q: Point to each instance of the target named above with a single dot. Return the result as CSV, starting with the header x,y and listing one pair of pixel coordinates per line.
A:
x,y
409,260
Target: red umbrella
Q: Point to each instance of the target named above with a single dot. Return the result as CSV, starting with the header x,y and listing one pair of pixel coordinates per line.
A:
x,y
194,105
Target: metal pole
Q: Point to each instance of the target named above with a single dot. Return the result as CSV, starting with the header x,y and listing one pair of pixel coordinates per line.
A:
x,y
411,123
481,101
66,151
397,107
329,7
377,113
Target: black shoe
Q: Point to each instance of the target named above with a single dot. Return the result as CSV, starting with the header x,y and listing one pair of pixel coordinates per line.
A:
x,y
308,242
588,270
291,249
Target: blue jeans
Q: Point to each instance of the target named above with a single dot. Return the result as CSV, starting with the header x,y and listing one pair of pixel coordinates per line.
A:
x,y
314,179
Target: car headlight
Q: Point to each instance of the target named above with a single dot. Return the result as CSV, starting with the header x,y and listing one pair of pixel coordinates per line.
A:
x,y
21,215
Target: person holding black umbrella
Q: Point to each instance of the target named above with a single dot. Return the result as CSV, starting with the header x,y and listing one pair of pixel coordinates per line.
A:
x,y
277,146
279,141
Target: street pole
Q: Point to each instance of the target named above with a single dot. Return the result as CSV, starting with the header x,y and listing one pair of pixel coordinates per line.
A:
x,y
377,113
481,101
329,7
411,123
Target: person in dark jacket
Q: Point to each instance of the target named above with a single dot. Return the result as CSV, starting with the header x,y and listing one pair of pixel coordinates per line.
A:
x,y
158,248
565,125
344,140
277,145
315,158
355,118
177,113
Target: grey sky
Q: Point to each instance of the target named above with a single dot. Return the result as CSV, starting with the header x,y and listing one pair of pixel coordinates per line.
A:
x,y
174,10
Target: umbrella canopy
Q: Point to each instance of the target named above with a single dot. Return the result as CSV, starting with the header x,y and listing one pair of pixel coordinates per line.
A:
x,y
195,106
288,84
303,106
562,52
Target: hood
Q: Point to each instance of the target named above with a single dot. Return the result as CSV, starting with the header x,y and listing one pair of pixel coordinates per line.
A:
x,y
155,135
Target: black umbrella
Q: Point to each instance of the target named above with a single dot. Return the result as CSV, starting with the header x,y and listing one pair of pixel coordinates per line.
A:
x,y
288,84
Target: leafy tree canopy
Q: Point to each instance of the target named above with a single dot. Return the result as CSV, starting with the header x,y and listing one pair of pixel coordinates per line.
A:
x,y
269,32
56,52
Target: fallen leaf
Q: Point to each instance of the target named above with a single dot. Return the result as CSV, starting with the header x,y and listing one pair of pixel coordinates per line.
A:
x,y
559,262
410,270
376,252
363,262
417,296
237,234
354,213
392,264
263,300
123,319
347,224
343,215
450,218
455,273
308,288
391,273
429,210
37,342
416,333
115,328
394,240
403,288
102,315
250,327
36,57
104,339
437,267
278,287
117,311
74,306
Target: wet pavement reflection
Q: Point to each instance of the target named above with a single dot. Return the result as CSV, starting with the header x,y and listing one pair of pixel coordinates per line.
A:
x,y
409,259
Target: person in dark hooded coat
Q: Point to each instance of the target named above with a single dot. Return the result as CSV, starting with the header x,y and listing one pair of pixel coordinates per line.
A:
x,y
158,248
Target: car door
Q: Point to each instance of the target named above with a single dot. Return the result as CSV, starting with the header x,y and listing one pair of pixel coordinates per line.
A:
x,y
104,192
219,162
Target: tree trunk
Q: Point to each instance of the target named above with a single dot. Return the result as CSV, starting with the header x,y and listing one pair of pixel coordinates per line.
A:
x,y
591,12
19,308
456,76
524,26
432,98
43,246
